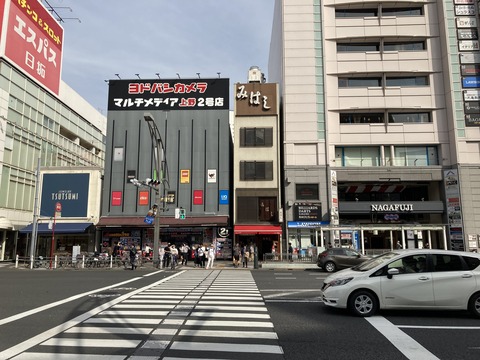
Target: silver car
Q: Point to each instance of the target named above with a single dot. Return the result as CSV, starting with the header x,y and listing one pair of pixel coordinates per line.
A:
x,y
408,279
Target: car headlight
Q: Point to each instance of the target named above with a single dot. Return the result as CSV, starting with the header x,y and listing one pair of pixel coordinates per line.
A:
x,y
338,282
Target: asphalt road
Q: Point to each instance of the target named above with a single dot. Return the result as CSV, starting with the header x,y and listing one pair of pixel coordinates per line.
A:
x,y
35,302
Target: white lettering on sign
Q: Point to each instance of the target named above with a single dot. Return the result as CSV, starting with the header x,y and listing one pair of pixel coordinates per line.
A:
x,y
391,207
254,98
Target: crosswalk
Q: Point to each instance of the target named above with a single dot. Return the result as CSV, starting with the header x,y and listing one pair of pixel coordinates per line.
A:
x,y
195,315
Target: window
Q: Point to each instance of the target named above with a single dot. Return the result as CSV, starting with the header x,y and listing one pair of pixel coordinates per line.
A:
x,y
361,118
407,11
256,170
447,263
407,81
422,117
306,191
359,82
355,13
252,137
416,156
472,263
404,46
358,156
358,47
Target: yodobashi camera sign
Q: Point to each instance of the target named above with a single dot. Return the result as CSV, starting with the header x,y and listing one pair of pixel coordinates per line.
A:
x,y
391,207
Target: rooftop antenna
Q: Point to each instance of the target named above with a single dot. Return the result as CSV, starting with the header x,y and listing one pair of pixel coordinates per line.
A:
x,y
198,74
59,18
219,73
158,74
178,75
118,76
138,75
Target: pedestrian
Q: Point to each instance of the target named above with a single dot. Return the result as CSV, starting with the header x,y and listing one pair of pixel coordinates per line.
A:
x,y
167,255
290,252
245,256
161,256
236,255
210,257
203,259
200,255
399,245
133,257
195,255
251,251
174,256
185,249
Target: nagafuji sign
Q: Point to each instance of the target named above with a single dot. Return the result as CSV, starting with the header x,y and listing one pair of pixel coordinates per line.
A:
x,y
392,207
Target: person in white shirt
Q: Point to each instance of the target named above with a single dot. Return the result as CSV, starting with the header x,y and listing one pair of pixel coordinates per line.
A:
x,y
210,257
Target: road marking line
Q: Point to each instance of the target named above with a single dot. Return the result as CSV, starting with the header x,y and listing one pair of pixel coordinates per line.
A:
x,y
64,301
228,315
29,343
440,327
229,334
261,324
82,343
108,330
227,307
293,301
242,348
407,345
49,356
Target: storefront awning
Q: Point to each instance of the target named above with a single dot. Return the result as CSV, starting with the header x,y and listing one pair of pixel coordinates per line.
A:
x,y
257,229
60,228
137,221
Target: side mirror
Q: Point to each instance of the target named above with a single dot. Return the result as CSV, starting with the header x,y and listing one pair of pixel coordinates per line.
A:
x,y
391,272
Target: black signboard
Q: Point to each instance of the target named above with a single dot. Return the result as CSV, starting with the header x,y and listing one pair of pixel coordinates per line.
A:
x,y
467,70
307,212
467,34
178,94
472,119
472,107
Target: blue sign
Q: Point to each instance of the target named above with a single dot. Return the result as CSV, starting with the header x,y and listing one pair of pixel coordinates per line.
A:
x,y
224,197
471,81
70,190
307,224
149,220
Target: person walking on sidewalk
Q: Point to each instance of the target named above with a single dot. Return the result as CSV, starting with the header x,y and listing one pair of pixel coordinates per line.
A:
x,y
236,255
210,257
245,256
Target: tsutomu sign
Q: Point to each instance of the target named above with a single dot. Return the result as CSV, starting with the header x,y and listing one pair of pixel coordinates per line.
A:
x,y
70,190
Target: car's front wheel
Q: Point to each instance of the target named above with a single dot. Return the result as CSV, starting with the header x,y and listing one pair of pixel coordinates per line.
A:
x,y
363,303
474,304
330,267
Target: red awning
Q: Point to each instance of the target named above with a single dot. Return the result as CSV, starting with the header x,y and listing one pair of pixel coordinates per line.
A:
x,y
136,221
257,229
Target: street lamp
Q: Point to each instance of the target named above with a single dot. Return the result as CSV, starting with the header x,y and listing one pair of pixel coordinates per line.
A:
x,y
159,157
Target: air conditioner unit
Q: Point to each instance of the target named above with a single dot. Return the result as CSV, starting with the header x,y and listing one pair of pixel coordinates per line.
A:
x,y
290,203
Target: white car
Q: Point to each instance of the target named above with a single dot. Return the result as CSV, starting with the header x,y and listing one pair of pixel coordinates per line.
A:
x,y
408,279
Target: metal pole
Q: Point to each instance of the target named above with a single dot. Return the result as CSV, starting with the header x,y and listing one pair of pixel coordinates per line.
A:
x,y
159,155
33,243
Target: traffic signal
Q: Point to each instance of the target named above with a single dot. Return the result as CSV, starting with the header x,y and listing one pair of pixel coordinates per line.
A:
x,y
182,214
152,182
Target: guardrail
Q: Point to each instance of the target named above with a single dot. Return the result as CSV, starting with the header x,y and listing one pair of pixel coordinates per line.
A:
x,y
78,262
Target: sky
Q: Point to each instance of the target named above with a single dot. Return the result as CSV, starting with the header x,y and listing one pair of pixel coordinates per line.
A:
x,y
145,37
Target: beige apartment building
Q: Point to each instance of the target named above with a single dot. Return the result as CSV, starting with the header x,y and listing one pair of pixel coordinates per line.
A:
x,y
381,122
